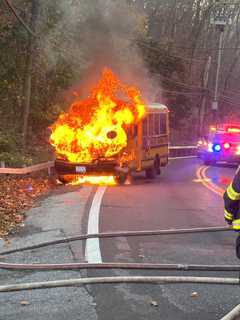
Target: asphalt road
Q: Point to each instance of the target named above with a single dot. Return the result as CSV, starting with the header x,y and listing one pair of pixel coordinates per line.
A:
x,y
176,199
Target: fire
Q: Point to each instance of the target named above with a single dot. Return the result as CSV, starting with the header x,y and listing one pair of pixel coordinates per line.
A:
x,y
97,126
96,180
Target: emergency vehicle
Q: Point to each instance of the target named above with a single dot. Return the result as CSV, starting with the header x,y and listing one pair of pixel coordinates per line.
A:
x,y
222,144
147,150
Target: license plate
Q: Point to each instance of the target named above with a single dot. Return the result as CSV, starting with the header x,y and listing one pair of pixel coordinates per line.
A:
x,y
80,169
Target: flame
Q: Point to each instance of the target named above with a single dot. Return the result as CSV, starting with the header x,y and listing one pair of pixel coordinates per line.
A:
x,y
96,180
97,126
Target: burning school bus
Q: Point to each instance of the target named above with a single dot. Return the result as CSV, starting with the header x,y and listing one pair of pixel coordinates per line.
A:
x,y
110,133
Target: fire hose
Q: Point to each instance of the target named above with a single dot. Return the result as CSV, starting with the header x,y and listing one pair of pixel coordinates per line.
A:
x,y
131,279
116,280
234,314
117,265
117,235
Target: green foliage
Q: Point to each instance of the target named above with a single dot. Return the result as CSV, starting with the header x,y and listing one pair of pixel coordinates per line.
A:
x,y
15,159
75,36
10,153
169,71
7,143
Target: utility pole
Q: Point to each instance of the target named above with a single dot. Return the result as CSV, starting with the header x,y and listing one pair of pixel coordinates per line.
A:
x,y
27,88
202,110
220,19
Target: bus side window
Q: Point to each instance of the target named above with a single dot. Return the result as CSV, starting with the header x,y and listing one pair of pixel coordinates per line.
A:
x,y
163,123
151,125
156,124
145,128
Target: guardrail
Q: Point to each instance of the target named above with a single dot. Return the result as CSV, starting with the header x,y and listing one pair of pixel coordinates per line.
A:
x,y
182,151
38,167
174,151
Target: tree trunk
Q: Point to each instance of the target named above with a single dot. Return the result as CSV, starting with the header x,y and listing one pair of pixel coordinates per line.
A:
x,y
28,73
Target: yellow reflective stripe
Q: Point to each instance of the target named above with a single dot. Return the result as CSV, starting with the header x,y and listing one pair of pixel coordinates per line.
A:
x,y
228,215
236,224
232,194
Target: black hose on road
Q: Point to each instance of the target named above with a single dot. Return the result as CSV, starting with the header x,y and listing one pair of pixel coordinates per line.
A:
x,y
118,235
118,265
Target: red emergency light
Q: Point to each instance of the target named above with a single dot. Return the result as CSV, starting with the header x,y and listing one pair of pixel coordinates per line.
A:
x,y
227,145
233,130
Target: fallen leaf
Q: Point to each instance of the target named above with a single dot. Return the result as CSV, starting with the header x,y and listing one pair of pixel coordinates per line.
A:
x,y
16,196
154,303
194,294
24,303
18,218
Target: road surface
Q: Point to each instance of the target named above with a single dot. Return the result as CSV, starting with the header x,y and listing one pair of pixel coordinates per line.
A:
x,y
186,195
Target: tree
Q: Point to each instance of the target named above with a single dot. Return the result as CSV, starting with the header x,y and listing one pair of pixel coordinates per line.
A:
x,y
29,69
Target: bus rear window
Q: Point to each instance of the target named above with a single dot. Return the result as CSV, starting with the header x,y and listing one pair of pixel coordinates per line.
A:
x,y
163,123
151,125
156,124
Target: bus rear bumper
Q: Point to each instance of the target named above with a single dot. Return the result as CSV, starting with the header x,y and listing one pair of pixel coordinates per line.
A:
x,y
98,168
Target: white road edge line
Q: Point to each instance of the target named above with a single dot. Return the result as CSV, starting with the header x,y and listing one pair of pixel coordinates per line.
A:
x,y
92,250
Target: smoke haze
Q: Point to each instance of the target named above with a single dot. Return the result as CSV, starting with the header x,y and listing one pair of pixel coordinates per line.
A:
x,y
91,35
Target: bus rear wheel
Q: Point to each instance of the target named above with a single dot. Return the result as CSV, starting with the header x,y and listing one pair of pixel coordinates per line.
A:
x,y
120,178
62,179
65,179
157,165
151,173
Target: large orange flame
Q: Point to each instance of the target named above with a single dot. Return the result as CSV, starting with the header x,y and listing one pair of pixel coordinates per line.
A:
x,y
96,127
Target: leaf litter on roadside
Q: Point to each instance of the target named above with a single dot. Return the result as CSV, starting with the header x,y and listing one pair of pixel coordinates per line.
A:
x,y
16,196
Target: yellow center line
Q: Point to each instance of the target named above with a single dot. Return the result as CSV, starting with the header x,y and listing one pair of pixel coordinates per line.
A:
x,y
213,185
201,180
207,182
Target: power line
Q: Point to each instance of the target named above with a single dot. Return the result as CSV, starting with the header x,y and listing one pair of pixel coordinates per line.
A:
x,y
229,102
232,92
170,55
14,12
181,92
212,49
28,29
227,98
183,84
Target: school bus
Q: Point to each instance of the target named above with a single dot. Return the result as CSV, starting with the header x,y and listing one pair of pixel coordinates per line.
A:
x,y
150,146
146,150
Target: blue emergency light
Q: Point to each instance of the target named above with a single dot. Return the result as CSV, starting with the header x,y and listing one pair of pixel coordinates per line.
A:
x,y
216,147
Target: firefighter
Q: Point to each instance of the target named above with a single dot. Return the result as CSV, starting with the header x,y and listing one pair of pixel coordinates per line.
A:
x,y
232,205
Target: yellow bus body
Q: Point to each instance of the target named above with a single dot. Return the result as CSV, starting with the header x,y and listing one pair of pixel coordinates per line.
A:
x,y
148,142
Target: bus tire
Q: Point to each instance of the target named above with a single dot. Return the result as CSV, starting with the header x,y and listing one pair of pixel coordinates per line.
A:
x,y
157,165
120,178
150,173
62,179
